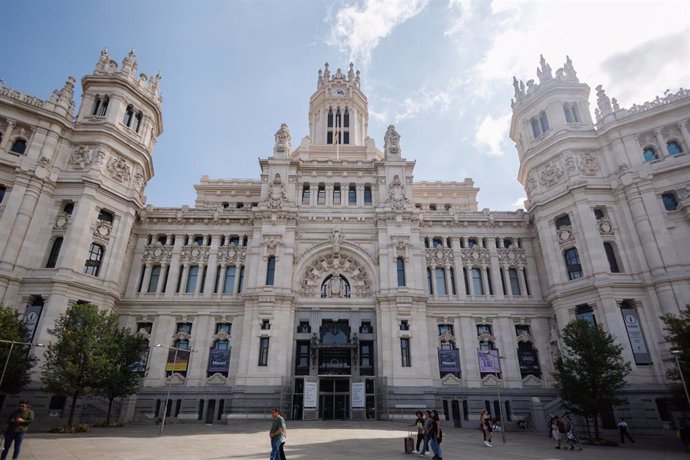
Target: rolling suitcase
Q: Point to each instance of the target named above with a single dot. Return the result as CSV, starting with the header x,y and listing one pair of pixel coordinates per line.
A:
x,y
409,443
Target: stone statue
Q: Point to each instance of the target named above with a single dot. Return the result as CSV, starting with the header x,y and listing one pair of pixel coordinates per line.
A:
x,y
391,142
282,142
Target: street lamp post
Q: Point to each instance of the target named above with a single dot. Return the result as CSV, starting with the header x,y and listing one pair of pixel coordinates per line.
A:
x,y
167,396
500,403
675,354
9,354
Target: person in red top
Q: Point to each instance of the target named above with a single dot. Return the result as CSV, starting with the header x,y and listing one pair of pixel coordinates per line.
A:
x,y
17,424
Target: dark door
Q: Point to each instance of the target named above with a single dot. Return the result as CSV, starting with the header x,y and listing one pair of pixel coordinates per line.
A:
x,y
455,411
342,404
327,407
210,411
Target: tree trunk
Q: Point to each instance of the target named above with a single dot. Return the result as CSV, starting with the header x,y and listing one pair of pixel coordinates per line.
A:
x,y
589,428
75,397
110,408
596,426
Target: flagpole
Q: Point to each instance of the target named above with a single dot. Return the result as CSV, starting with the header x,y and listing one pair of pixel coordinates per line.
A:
x,y
337,137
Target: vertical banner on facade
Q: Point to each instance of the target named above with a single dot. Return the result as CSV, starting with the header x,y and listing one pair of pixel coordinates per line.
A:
x,y
358,397
488,361
637,342
529,362
219,360
140,366
310,393
179,363
449,360
31,317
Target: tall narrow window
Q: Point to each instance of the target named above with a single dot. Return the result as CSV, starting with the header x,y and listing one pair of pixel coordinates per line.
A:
x,y
514,284
137,122
649,154
18,146
192,275
366,357
400,263
441,281
572,263
263,351
429,282
571,113
92,266
367,195
129,115
405,352
240,281
352,194
611,256
536,131
305,194
270,270
543,121
3,190
477,281
453,290
229,283
336,194
153,280
321,196
54,252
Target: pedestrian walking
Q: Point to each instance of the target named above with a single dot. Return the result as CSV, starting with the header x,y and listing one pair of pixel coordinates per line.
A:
x,y
558,430
485,427
277,434
437,436
570,436
419,424
17,425
623,429
428,429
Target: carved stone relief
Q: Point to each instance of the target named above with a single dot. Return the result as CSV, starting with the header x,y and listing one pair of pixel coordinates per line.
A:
x,y
194,253
475,256
119,169
396,194
550,175
439,255
336,265
81,158
157,253
511,257
276,193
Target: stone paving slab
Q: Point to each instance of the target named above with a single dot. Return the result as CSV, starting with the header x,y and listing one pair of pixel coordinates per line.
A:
x,y
318,440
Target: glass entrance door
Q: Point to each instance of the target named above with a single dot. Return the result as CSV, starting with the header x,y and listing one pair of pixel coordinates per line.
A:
x,y
334,399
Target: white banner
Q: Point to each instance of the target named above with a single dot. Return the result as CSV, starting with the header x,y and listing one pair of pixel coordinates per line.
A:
x,y
310,395
358,397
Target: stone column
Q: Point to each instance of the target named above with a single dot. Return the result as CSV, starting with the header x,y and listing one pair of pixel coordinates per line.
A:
x,y
329,195
459,278
144,288
25,212
485,280
521,280
212,266
686,136
7,135
470,282
360,195
662,144
174,272
506,281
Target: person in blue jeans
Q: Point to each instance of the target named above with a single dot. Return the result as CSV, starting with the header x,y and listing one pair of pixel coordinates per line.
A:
x,y
428,430
17,424
436,436
277,435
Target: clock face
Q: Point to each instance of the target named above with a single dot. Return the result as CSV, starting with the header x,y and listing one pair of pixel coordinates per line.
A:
x,y
339,92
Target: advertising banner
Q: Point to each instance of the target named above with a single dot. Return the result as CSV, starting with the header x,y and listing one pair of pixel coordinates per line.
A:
x,y
529,362
637,342
140,366
358,399
31,317
488,361
218,361
178,364
449,360
310,393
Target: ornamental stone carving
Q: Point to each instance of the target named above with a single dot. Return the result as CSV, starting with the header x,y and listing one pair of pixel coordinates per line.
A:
x,y
99,159
439,256
588,164
605,227
282,142
336,238
157,253
119,169
102,230
337,265
81,158
396,194
550,175
276,193
391,143
511,257
61,221
139,182
565,234
231,254
273,243
475,256
194,253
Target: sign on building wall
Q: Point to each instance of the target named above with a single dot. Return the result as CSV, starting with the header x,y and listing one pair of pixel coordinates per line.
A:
x,y
449,360
529,362
637,342
140,366
219,361
358,397
179,363
31,317
310,394
488,361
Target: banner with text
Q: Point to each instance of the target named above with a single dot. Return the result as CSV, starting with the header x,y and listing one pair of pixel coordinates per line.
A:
x,y
529,362
31,317
310,395
637,342
177,363
449,360
488,361
218,361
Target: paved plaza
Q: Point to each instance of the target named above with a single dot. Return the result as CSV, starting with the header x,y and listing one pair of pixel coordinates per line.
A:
x,y
317,440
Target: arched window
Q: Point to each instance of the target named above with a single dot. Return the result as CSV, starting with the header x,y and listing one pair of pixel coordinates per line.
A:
x,y
129,115
649,154
572,263
536,130
543,121
400,264
335,286
137,121
674,148
670,201
321,194
367,194
305,193
352,194
100,106
93,263
270,270
571,113
105,216
96,105
54,253
611,256
19,146
336,194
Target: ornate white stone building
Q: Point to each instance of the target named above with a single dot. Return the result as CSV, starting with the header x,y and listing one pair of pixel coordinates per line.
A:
x,y
334,285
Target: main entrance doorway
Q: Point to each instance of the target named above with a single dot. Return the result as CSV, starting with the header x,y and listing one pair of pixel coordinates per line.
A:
x,y
334,398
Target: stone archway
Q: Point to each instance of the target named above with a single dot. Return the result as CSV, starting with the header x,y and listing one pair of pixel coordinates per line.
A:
x,y
335,266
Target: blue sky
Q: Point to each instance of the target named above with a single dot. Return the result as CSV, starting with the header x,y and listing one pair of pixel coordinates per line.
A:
x,y
440,71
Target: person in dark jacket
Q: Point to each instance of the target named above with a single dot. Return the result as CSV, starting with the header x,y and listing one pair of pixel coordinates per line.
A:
x,y
17,425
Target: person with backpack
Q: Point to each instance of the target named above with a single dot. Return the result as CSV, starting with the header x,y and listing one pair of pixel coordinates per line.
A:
x,y
17,425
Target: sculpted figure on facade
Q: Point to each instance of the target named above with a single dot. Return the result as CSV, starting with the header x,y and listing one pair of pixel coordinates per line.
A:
x,y
391,144
336,238
283,141
119,169
81,158
276,193
588,164
550,175
396,194
139,182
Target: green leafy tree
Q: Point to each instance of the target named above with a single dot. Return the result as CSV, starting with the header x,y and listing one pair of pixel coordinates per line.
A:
x,y
18,371
80,355
678,335
121,375
590,371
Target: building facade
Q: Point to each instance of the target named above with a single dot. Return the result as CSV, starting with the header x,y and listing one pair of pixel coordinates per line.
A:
x,y
334,285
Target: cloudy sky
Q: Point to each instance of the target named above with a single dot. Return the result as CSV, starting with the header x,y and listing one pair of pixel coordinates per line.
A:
x,y
440,71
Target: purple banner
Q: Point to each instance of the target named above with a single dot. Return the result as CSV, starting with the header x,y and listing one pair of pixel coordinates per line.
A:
x,y
219,361
488,361
449,360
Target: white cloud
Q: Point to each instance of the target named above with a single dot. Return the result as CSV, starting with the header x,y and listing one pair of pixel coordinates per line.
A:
x,y
359,29
519,203
424,101
460,14
491,133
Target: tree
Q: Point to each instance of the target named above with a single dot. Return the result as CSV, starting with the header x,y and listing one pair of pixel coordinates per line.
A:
x,y
121,375
590,371
81,353
18,372
678,335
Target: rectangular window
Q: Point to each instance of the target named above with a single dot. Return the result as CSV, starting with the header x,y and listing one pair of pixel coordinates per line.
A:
x,y
367,195
429,281
263,351
401,271
54,252
477,281
405,352
467,280
153,280
586,313
562,221
192,275
321,196
270,270
302,358
572,263
441,281
203,278
611,256
216,283
366,357
514,282
446,329
223,327
452,281
241,280
305,194
229,284
488,281
336,195
352,195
